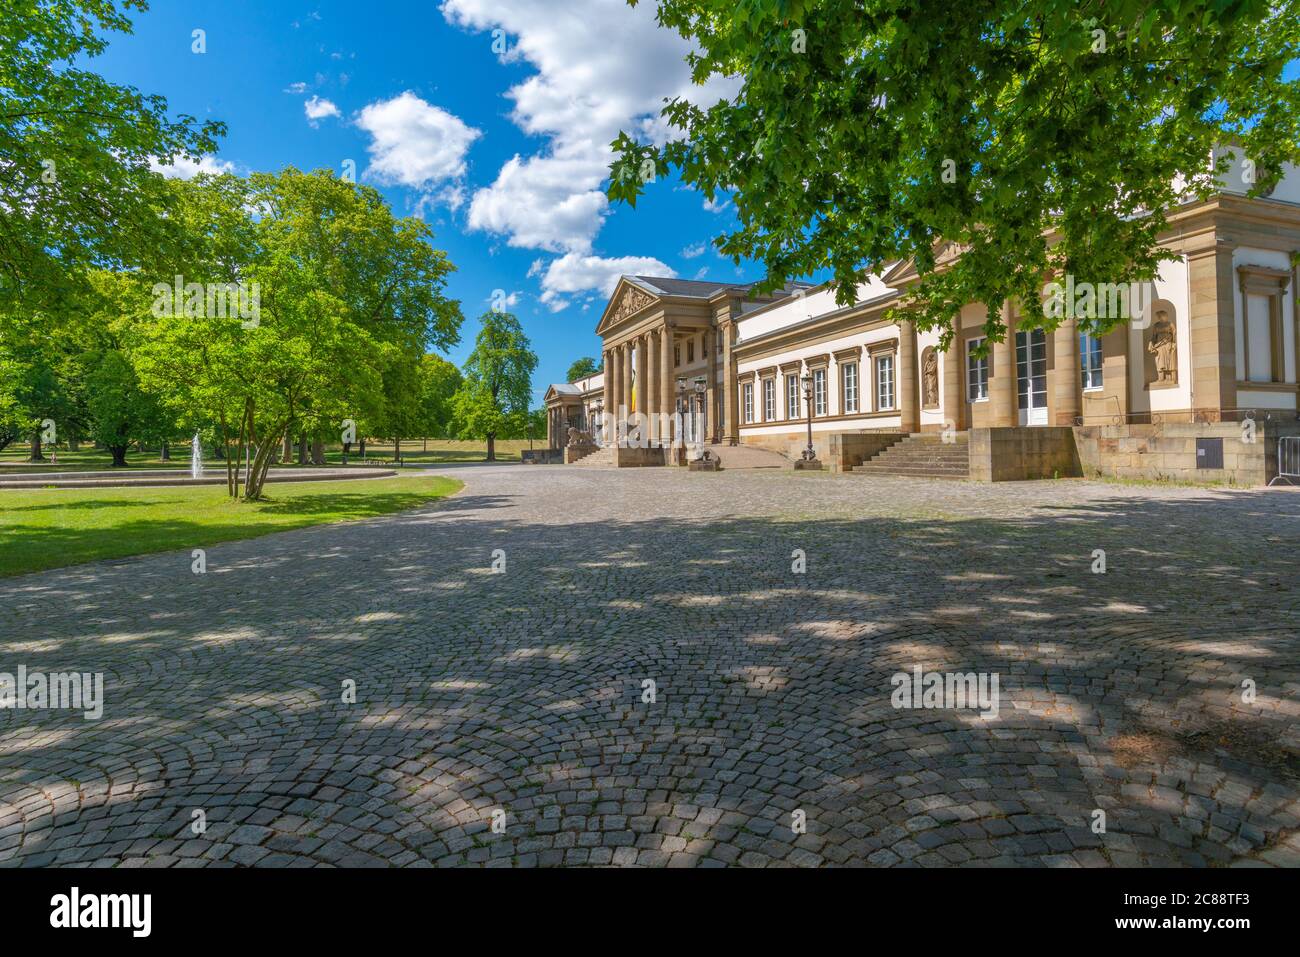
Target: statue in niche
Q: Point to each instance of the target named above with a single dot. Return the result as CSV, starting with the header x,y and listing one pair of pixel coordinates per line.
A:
x,y
930,379
1163,344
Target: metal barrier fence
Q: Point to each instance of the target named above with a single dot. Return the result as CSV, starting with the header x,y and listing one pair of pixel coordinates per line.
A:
x,y
1288,459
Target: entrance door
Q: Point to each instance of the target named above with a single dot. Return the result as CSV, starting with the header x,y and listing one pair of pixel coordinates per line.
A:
x,y
1031,376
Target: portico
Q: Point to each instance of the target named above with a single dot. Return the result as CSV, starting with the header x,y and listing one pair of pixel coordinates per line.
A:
x,y
667,344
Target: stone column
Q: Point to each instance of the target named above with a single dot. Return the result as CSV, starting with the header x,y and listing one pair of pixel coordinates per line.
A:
x,y
908,406
711,391
1212,326
625,379
651,354
611,385
1066,377
645,401
666,380
1114,372
1002,377
954,379
730,401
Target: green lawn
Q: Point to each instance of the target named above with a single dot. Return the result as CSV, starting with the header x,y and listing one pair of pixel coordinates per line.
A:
x,y
414,451
53,528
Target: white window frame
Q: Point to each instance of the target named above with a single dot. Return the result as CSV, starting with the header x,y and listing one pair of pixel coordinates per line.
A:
x,y
849,377
886,387
977,372
747,401
793,390
769,400
819,391
1091,360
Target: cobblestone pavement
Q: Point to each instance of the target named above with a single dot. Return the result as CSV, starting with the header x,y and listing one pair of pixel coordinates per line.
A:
x,y
523,691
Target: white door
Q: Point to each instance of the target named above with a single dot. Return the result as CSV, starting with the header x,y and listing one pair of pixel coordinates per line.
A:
x,y
1031,376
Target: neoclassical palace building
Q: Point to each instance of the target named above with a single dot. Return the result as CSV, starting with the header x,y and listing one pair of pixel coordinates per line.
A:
x,y
1199,384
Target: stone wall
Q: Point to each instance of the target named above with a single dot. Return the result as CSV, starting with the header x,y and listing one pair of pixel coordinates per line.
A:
x,y
838,451
1168,451
627,458
1017,454
542,456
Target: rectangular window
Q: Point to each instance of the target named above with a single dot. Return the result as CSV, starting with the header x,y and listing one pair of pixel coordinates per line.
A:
x,y
885,382
1090,361
677,355
849,376
819,392
977,372
690,350
748,393
719,342
769,400
792,397
704,346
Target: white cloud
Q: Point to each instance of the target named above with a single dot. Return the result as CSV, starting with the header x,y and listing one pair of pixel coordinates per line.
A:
x,y
585,90
296,88
693,251
186,167
318,109
574,273
414,143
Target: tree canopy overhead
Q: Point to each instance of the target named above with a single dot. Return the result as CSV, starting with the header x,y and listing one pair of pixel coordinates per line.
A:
x,y
77,186
868,131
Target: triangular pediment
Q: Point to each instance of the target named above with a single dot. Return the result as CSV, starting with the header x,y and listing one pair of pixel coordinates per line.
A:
x,y
904,271
627,300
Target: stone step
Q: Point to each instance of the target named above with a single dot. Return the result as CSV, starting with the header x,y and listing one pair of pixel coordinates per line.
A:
x,y
905,458
922,455
957,474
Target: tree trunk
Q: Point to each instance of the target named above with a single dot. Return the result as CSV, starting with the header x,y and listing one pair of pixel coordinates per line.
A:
x,y
261,464
119,455
492,447
286,456
225,437
363,448
35,455
74,444
317,451
397,450
166,453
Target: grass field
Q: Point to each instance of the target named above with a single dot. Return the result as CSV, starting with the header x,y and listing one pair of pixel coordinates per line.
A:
x,y
14,458
53,528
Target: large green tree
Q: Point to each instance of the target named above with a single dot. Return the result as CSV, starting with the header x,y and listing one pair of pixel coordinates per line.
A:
x,y
345,291
120,411
1036,135
581,368
77,186
498,381
439,382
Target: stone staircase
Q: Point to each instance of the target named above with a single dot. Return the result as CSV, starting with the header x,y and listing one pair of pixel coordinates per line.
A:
x,y
601,458
923,455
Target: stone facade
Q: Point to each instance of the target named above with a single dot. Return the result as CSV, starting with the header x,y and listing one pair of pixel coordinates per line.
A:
x,y
1213,339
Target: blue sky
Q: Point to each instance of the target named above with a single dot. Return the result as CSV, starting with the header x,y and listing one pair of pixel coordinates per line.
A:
x,y
501,153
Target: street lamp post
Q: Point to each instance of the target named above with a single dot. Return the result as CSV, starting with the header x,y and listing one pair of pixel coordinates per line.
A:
x,y
698,432
809,458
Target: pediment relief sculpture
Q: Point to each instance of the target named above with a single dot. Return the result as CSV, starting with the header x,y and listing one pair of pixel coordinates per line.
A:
x,y
632,300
